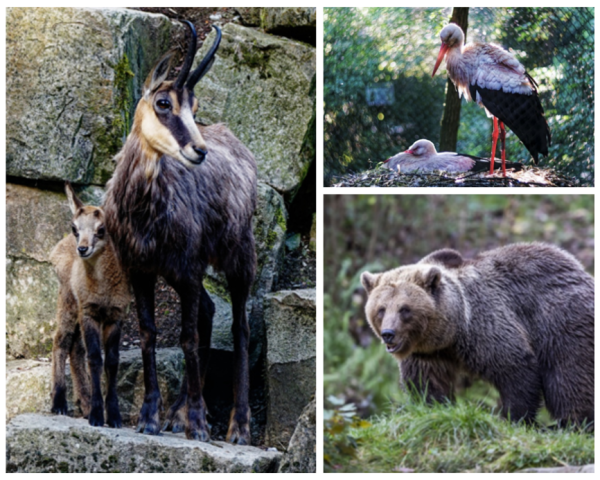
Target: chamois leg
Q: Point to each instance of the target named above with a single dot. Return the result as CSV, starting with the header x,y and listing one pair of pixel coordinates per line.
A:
x,y
196,426
61,346
143,288
79,374
239,421
175,420
91,336
111,335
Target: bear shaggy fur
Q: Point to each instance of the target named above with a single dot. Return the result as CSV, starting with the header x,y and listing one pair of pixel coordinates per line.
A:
x,y
519,316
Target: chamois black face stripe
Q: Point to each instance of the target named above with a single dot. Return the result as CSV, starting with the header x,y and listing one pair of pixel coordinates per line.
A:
x,y
174,123
523,114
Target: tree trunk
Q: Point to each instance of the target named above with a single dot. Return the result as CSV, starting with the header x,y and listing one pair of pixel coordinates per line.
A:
x,y
451,117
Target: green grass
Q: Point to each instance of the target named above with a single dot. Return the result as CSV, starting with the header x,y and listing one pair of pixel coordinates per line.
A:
x,y
465,436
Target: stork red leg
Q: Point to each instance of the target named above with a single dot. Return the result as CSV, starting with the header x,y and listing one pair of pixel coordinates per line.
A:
x,y
503,140
494,142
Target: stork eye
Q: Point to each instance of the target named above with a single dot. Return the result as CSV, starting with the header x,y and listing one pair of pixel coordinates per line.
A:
x,y
74,229
163,104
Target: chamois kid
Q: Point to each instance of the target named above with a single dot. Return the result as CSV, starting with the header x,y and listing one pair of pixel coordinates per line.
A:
x,y
182,198
93,295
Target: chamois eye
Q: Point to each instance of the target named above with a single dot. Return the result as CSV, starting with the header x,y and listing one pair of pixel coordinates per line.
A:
x,y
74,229
163,104
100,233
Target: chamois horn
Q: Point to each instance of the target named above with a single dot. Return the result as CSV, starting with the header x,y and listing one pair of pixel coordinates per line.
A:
x,y
206,62
189,58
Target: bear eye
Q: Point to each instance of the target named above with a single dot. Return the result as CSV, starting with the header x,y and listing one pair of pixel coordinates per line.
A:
x,y
381,312
405,311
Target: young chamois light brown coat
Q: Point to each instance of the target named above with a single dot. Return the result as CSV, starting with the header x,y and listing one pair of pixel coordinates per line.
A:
x,y
93,295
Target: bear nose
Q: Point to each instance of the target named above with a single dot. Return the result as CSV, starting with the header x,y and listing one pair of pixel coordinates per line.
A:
x,y
388,335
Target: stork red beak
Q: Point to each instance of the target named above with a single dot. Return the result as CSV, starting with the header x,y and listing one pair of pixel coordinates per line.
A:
x,y
408,151
443,49
385,161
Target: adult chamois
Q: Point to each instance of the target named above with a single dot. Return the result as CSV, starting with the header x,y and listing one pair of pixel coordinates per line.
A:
x,y
93,296
182,197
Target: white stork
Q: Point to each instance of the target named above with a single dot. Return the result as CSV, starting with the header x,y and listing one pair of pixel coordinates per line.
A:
x,y
423,157
496,80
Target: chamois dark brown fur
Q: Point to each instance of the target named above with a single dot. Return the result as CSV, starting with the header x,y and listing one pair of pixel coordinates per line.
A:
x,y
182,198
93,295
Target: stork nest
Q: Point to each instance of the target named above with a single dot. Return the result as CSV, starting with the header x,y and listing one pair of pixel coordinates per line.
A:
x,y
383,177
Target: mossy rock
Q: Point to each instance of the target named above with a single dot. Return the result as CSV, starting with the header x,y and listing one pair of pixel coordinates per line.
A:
x,y
73,76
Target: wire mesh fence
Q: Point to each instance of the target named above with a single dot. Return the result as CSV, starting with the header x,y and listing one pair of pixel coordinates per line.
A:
x,y
380,96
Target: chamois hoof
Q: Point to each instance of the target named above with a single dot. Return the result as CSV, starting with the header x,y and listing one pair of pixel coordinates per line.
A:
x,y
96,417
149,428
237,437
175,421
149,421
201,435
114,420
59,402
239,427
175,427
60,408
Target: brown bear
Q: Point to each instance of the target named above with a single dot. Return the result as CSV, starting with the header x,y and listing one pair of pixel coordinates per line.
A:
x,y
519,316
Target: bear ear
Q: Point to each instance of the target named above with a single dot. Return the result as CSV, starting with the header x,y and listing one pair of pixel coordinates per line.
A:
x,y
446,257
432,280
368,280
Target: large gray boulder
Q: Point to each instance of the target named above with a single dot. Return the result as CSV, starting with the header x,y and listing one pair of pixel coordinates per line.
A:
x,y
260,86
278,19
39,443
35,221
301,454
291,360
73,77
28,385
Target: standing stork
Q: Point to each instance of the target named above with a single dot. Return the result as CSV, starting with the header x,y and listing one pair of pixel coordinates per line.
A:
x,y
498,82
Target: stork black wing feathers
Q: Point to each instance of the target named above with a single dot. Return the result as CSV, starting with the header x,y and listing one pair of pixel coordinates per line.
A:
x,y
483,165
523,114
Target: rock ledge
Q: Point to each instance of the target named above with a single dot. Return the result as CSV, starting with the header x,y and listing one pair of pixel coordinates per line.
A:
x,y
48,443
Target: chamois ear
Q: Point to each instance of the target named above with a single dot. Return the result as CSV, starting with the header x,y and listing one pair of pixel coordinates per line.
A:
x,y
368,280
74,203
159,73
433,279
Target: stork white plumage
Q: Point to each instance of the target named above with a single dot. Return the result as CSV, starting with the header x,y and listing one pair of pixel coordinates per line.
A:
x,y
423,157
497,81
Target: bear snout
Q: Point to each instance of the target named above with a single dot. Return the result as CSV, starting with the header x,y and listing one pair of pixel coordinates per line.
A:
x,y
388,335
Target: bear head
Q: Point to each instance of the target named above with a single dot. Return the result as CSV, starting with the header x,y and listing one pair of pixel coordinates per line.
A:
x,y
403,309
